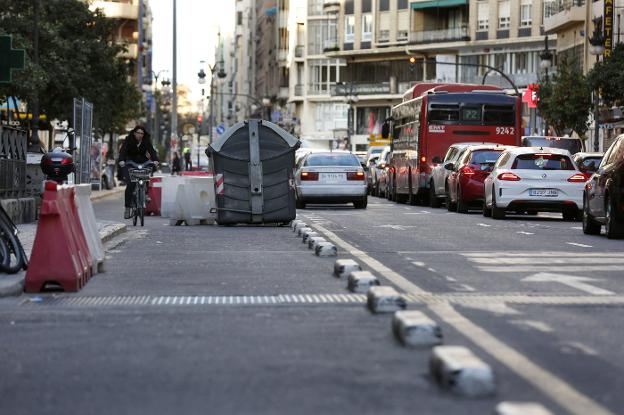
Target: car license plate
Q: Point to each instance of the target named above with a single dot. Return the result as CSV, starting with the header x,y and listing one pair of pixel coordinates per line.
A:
x,y
544,192
333,177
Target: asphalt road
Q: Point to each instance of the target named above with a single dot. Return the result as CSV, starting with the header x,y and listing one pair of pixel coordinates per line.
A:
x,y
245,320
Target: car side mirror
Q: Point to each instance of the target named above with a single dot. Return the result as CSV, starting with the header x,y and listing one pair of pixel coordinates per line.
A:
x,y
437,160
449,166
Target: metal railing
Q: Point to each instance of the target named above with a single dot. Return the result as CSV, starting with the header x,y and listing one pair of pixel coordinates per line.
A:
x,y
13,148
557,6
443,35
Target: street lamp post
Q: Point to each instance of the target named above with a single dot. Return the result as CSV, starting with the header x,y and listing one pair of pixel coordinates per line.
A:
x,y
350,98
596,42
546,62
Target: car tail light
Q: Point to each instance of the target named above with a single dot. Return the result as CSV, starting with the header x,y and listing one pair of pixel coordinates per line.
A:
x,y
423,159
578,178
467,171
309,175
510,177
587,174
356,175
67,160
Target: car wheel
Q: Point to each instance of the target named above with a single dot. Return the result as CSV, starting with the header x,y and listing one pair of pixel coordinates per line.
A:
x,y
487,212
614,229
497,213
434,201
590,226
450,206
461,205
376,190
361,204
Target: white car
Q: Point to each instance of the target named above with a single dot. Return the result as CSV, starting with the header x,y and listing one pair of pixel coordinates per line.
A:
x,y
437,183
534,179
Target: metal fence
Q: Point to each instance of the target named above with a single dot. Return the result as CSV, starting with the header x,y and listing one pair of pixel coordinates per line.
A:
x,y
13,147
83,123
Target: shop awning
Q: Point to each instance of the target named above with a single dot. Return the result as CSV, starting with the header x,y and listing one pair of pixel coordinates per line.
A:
x,y
438,3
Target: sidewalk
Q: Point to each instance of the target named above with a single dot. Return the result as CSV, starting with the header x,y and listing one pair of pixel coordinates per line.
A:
x,y
100,194
12,285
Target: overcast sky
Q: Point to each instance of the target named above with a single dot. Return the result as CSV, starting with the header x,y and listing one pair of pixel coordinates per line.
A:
x,y
199,22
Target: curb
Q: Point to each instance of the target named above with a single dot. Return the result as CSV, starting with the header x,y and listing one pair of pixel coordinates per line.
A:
x,y
13,285
107,193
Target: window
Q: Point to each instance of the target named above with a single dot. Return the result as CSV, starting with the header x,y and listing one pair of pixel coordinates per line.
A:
x,y
525,13
323,75
369,119
239,18
315,7
402,4
443,113
321,35
542,162
550,8
336,159
483,14
504,14
384,5
485,157
367,27
349,29
331,116
503,115
500,61
522,62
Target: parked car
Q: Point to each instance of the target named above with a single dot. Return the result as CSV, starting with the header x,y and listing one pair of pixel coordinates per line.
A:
x,y
464,189
587,163
534,179
382,188
572,144
437,184
374,151
330,177
603,199
374,170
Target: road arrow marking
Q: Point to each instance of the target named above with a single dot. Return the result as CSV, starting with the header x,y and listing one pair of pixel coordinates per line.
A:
x,y
580,283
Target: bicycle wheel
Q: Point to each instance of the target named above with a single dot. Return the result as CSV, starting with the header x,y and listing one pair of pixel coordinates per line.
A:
x,y
135,216
15,258
142,216
4,254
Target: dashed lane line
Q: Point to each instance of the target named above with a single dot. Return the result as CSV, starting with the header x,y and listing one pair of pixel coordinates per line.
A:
x,y
556,388
579,245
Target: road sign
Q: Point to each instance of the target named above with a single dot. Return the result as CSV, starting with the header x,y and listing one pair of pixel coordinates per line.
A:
x,y
220,129
10,59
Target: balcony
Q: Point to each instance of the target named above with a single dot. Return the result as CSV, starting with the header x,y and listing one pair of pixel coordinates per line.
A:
x,y
282,55
116,10
299,90
561,14
452,34
299,51
331,7
360,88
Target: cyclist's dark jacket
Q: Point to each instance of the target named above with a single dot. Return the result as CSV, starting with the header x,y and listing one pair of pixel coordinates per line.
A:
x,y
131,150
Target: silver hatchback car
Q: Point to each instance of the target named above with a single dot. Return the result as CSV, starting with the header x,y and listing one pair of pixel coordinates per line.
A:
x,y
330,177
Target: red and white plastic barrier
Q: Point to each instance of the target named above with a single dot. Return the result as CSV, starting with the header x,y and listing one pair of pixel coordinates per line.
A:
x,y
89,226
155,194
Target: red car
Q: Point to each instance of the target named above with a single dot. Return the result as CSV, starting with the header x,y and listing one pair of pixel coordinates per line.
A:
x,y
464,185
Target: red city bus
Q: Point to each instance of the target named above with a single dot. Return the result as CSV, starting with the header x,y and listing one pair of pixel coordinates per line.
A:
x,y
434,116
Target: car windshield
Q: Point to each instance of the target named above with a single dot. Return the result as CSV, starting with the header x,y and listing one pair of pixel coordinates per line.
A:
x,y
571,144
485,157
589,164
332,160
540,161
376,150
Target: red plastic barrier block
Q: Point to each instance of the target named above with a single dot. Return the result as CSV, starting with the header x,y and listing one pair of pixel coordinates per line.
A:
x,y
60,254
196,173
155,194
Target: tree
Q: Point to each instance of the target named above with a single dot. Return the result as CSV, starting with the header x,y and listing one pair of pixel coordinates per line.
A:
x,y
77,58
565,101
607,77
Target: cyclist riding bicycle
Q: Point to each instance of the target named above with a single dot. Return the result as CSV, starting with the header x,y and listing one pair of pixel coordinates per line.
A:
x,y
137,147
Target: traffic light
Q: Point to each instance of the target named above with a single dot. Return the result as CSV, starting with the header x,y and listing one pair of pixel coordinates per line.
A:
x,y
412,64
199,119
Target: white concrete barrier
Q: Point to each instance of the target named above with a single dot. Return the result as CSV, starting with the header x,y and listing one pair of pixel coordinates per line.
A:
x,y
361,281
195,197
415,329
295,223
314,241
299,226
169,194
308,235
343,267
89,225
385,300
303,230
325,249
457,369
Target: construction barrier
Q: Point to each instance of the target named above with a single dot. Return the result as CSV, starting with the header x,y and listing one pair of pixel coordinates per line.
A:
x,y
168,195
89,226
60,254
154,192
195,200
196,173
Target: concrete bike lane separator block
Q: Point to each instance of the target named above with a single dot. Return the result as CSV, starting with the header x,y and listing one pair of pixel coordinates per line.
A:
x,y
314,241
325,249
521,408
343,267
414,329
294,223
299,226
361,281
308,235
302,231
385,300
457,369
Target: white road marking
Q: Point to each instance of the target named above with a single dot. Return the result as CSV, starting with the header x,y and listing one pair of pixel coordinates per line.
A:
x,y
579,283
431,270
525,233
534,254
485,225
552,386
451,279
463,287
581,245
572,347
418,263
581,260
546,268
537,325
577,228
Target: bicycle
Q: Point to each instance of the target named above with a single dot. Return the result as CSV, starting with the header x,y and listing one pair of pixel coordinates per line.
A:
x,y
140,175
12,255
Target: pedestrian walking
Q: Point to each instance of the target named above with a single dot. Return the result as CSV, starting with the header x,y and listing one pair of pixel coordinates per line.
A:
x,y
188,164
176,164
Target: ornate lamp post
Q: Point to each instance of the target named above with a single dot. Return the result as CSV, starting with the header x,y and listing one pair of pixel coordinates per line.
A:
x,y
546,58
596,47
